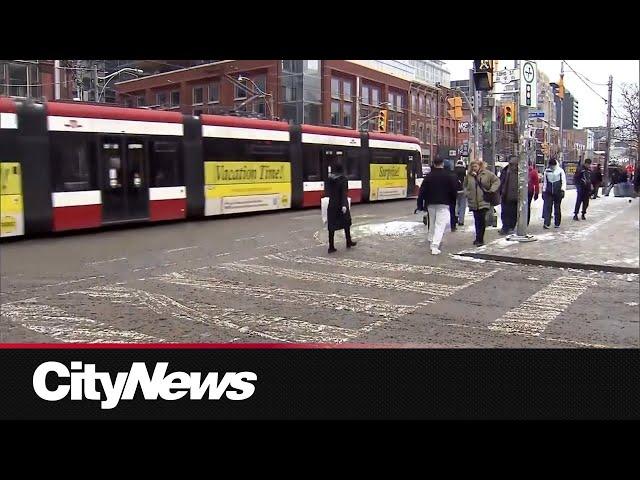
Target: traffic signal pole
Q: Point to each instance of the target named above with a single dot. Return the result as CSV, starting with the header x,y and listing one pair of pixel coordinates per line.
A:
x,y
523,146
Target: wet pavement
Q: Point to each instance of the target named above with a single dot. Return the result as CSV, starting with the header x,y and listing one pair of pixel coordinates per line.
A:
x,y
269,278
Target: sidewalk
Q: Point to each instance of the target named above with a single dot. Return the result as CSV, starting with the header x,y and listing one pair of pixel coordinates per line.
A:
x,y
608,240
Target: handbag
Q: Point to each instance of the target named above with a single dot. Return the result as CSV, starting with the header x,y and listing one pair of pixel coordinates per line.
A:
x,y
492,198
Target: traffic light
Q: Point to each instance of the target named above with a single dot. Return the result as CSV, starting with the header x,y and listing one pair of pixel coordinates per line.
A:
x,y
456,104
483,74
561,87
509,113
382,121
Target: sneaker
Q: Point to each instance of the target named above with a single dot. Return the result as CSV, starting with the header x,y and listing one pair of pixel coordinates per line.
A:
x,y
546,227
480,244
331,250
435,251
351,244
583,217
556,226
575,217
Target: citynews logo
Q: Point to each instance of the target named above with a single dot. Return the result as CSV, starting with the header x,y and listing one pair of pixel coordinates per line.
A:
x,y
174,386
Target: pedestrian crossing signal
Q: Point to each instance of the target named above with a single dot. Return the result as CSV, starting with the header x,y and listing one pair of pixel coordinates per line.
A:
x,y
509,113
382,121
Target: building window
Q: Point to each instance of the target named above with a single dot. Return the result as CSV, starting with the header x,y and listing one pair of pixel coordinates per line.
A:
x,y
175,99
214,92
414,102
421,133
346,91
335,113
240,92
375,96
421,106
335,87
413,129
161,99
198,95
365,94
141,101
347,116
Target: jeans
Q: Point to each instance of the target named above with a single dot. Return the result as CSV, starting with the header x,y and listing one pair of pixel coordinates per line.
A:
x,y
480,218
551,201
583,196
461,206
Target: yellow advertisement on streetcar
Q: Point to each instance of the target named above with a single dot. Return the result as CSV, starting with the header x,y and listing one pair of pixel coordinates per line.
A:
x,y
236,187
387,181
11,206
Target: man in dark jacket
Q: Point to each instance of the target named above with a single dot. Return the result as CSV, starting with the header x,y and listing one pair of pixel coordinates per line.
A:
x,y
461,199
437,193
509,196
582,181
338,214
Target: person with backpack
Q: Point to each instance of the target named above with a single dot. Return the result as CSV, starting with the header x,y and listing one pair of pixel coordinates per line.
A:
x,y
582,181
338,214
461,198
437,193
597,181
554,186
481,188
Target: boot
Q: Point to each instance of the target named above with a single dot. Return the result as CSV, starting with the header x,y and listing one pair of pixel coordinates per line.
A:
x,y
583,217
575,217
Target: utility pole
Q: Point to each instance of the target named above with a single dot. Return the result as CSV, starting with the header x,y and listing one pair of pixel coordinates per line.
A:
x,y
523,168
56,72
561,154
96,95
607,153
477,125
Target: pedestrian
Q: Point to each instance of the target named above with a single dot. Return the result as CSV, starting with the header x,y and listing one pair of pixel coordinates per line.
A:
x,y
338,213
554,186
582,181
534,188
461,199
597,181
479,181
614,179
453,220
437,193
509,196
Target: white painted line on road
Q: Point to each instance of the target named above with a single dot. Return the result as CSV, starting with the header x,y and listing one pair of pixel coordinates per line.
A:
x,y
534,315
222,254
351,303
435,290
273,328
56,323
180,249
269,246
248,238
55,284
106,261
385,266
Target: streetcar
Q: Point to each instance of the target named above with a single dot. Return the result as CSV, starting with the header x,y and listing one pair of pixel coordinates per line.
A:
x,y
71,166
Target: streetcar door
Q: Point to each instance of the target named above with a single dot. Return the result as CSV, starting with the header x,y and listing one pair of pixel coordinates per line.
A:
x,y
125,191
411,173
330,157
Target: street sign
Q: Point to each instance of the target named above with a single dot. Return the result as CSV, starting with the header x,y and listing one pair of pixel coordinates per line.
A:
x,y
463,127
536,114
528,84
507,75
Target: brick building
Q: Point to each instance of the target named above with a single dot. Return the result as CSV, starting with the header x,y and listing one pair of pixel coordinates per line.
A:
x,y
340,93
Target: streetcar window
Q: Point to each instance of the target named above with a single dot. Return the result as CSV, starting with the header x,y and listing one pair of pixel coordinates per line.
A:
x,y
311,163
352,164
73,161
166,165
230,150
382,156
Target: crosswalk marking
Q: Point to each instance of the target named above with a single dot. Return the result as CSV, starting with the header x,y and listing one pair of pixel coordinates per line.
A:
x,y
435,290
58,324
275,328
534,315
385,266
351,303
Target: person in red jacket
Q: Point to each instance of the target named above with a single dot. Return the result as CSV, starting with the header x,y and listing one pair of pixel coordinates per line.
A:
x,y
534,188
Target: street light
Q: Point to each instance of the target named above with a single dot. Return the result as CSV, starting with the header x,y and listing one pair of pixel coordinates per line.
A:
x,y
111,76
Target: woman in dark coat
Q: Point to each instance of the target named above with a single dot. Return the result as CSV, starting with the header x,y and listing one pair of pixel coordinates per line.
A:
x,y
338,214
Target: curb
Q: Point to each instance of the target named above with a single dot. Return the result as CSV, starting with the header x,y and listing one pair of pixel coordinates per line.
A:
x,y
551,263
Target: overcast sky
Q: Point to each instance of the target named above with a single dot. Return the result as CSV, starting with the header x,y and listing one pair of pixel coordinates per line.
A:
x,y
593,110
